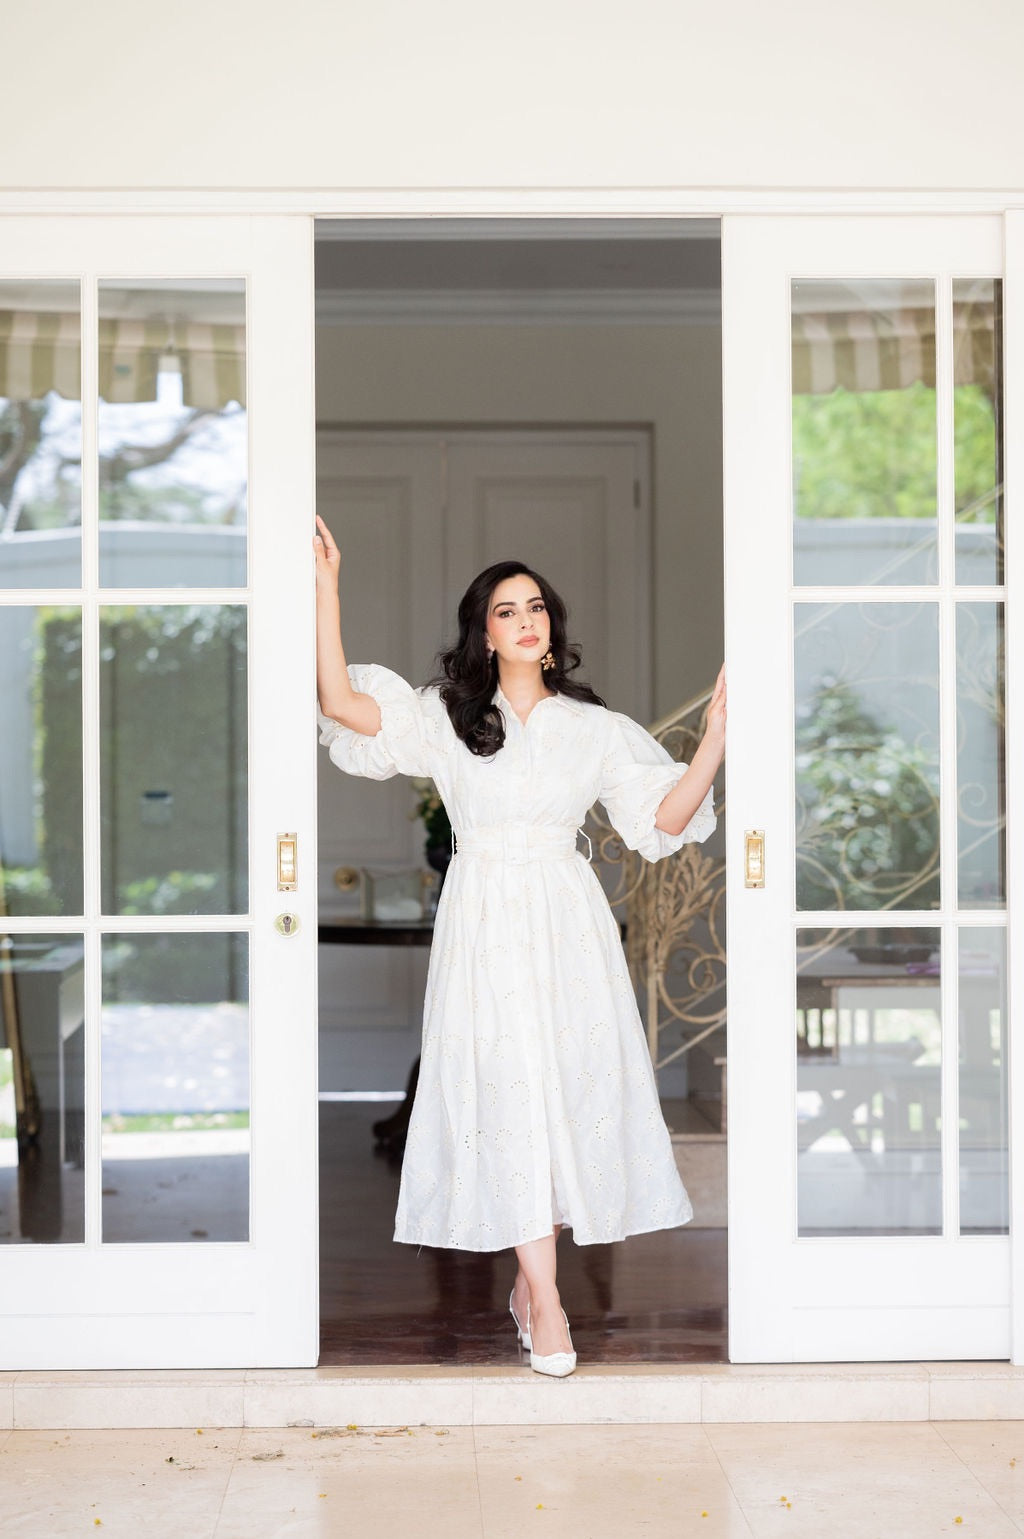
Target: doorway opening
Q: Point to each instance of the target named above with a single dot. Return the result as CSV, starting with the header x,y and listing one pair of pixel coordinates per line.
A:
x,y
549,390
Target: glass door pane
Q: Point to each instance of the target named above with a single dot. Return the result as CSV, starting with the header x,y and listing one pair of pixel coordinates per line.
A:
x,y
40,760
174,718
175,1087
977,428
864,441
173,434
867,756
40,434
42,1089
869,1060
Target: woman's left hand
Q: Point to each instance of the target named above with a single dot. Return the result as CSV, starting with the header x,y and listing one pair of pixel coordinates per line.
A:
x,y
716,710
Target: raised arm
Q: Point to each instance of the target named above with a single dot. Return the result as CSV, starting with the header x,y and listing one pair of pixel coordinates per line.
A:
x,y
358,712
686,796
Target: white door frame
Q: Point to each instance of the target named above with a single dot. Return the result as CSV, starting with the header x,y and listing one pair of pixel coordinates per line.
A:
x,y
1013,430
206,1304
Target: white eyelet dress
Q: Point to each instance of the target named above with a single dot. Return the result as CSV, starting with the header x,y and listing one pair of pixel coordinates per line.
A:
x,y
536,1101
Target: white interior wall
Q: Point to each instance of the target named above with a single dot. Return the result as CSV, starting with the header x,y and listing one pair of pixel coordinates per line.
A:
x,y
216,93
668,377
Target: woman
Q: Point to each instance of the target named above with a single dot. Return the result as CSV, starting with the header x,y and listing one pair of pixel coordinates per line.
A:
x,y
537,1105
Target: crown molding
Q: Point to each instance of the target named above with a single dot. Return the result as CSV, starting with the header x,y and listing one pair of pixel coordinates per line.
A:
x,y
519,307
518,205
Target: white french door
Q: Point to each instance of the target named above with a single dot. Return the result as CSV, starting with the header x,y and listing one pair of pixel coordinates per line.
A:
x,y
867,585
157,956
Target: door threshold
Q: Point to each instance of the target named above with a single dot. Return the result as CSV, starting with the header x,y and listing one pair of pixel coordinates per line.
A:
x,y
390,1396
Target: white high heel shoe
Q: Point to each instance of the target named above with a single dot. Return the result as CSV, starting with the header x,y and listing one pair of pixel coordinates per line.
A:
x,y
558,1364
521,1331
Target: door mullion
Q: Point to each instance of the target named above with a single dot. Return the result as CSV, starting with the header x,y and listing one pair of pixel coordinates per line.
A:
x,y
91,832
949,1142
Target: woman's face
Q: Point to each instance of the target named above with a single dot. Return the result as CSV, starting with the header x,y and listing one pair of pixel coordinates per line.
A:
x,y
518,626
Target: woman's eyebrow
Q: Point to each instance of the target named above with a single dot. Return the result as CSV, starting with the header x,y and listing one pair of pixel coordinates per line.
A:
x,y
511,603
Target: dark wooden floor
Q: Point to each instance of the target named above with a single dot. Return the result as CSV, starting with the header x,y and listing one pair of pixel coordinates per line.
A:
x,y
657,1298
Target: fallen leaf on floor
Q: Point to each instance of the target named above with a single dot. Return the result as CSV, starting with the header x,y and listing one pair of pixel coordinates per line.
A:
x,y
322,1495
278,1453
958,1520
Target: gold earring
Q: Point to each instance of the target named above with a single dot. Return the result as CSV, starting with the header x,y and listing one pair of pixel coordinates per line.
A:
x,y
547,662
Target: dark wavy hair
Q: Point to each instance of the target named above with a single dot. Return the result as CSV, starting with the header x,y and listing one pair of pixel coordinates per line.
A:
x,y
468,677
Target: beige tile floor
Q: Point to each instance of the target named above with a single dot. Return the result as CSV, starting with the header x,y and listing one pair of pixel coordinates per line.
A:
x,y
838,1480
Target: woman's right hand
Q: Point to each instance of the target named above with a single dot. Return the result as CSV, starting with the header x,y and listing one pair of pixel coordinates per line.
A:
x,y
328,557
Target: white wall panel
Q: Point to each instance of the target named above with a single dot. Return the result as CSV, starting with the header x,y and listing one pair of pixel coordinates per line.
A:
x,y
583,94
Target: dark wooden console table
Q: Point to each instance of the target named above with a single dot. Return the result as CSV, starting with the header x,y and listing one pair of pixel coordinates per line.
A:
x,y
375,932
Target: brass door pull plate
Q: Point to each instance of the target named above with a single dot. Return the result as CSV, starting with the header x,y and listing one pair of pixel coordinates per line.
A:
x,y
287,862
753,857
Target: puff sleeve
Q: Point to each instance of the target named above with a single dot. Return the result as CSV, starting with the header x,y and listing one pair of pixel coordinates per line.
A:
x,y
637,773
405,744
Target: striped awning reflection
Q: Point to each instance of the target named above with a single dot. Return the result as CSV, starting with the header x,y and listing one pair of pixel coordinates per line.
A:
x,y
40,351
865,350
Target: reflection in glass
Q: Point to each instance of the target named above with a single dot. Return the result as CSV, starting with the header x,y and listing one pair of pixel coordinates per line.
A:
x,y
984,1176
42,1090
980,760
173,721
867,757
40,760
978,428
173,435
40,435
175,1073
869,1038
864,432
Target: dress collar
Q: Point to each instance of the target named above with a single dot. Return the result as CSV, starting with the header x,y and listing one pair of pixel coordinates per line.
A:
x,y
564,703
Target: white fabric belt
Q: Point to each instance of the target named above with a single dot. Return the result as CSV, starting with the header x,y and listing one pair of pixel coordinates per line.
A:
x,y
518,844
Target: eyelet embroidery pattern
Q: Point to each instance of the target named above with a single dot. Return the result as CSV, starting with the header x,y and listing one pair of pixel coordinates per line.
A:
x,y
536,1100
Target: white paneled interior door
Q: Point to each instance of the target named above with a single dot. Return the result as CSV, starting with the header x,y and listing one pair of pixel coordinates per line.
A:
x,y
158,1158
417,515
866,581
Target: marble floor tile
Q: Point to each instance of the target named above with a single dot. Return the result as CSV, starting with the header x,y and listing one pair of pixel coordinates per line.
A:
x,y
592,1482
141,1482
749,1481
293,1484
994,1453
803,1481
